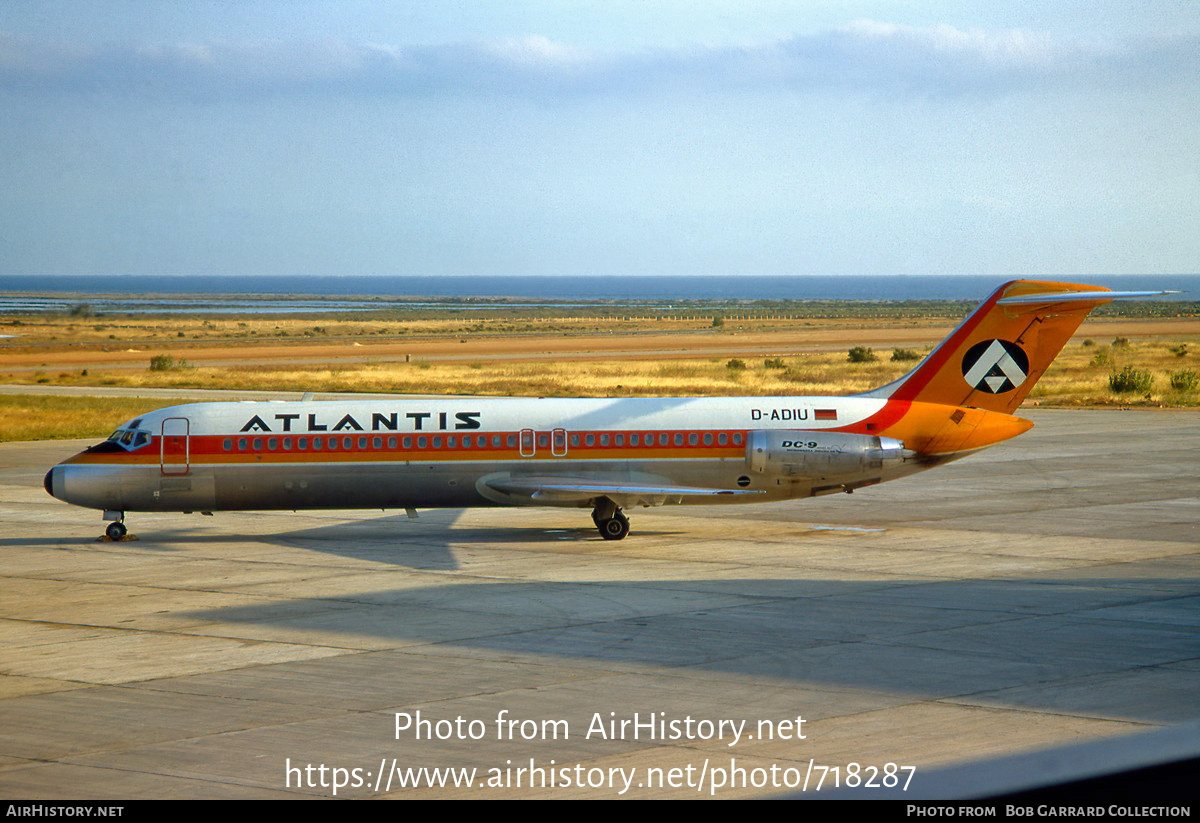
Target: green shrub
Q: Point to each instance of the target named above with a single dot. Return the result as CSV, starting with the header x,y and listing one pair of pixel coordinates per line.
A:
x,y
1121,343
774,363
1180,351
735,365
904,355
861,354
1129,380
165,362
718,322
1184,380
1100,359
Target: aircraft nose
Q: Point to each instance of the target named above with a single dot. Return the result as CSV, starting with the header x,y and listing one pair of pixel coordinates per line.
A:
x,y
90,486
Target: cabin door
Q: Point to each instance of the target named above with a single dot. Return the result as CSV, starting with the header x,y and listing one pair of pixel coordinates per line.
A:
x,y
526,445
174,447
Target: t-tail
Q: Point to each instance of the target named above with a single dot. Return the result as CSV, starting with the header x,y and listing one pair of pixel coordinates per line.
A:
x,y
996,356
962,396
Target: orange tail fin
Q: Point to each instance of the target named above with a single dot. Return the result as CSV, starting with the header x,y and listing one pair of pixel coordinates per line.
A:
x,y
995,356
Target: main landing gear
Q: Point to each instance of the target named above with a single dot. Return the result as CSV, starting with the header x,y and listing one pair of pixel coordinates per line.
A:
x,y
609,519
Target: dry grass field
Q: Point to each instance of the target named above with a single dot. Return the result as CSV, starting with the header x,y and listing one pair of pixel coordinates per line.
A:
x,y
44,417
603,354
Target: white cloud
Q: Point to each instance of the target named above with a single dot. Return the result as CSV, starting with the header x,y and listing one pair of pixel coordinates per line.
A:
x,y
863,55
1008,46
536,50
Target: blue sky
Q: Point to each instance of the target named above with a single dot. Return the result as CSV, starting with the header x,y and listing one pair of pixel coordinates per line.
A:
x,y
599,138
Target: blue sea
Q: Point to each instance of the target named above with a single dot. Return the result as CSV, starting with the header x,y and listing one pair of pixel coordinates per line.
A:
x,y
220,294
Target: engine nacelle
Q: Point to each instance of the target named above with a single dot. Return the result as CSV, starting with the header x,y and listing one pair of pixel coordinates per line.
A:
x,y
821,455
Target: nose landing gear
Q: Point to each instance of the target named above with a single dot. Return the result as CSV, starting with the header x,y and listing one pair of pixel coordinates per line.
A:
x,y
116,531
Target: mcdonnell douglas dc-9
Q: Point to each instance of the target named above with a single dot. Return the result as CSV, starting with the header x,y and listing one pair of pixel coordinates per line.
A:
x,y
603,454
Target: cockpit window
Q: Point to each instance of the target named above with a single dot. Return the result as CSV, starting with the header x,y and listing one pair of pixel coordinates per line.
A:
x,y
129,440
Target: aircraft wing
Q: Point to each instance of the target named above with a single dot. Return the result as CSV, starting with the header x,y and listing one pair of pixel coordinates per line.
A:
x,y
567,491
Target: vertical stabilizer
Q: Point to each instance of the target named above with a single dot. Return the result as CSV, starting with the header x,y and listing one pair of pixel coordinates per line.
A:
x,y
995,356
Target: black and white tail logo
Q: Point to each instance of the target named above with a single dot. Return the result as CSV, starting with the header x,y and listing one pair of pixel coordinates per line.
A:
x,y
995,366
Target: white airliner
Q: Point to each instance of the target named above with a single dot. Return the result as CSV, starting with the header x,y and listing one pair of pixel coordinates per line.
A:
x,y
605,454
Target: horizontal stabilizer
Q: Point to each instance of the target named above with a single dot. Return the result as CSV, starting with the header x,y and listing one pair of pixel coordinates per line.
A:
x,y
1072,296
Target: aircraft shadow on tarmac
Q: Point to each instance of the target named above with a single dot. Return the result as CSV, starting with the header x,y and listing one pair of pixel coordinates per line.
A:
x,y
1117,647
428,542
396,540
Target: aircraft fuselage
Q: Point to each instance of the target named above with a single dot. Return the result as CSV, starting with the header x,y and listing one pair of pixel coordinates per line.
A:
x,y
437,452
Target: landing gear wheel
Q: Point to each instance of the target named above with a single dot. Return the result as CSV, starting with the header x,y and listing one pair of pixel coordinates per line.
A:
x,y
115,531
615,527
